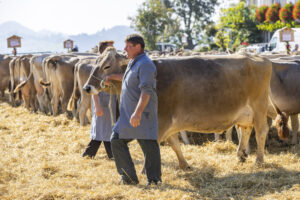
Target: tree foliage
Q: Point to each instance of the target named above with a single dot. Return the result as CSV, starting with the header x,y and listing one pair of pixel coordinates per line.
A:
x,y
152,21
173,20
239,23
222,39
194,15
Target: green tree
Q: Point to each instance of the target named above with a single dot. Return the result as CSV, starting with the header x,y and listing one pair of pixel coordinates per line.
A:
x,y
154,21
209,35
222,39
193,15
239,22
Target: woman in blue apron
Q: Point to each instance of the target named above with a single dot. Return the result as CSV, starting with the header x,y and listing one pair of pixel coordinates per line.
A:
x,y
101,126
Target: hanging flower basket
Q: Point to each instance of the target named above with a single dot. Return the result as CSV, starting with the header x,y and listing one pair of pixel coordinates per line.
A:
x,y
272,14
296,11
260,13
286,13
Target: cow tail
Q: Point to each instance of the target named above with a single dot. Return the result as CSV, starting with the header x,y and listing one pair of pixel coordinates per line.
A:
x,y
20,86
73,98
9,85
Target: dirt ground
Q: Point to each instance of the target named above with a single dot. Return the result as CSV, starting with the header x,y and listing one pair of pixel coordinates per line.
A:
x,y
40,158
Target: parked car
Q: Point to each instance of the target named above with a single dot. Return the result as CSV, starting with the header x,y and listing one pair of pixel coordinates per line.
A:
x,y
165,47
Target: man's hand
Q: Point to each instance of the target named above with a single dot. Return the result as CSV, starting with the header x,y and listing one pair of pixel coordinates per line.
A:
x,y
135,119
99,111
107,80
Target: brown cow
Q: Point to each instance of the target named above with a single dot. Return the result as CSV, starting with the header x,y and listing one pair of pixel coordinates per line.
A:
x,y
19,71
14,80
36,73
29,91
285,92
204,94
4,73
79,97
59,74
59,77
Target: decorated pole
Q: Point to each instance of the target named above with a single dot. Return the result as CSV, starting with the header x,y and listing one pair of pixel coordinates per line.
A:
x,y
68,44
14,42
287,35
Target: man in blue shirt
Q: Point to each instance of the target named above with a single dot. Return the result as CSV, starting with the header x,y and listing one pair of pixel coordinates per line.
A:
x,y
138,114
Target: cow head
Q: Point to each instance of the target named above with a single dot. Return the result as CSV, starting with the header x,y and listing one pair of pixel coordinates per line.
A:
x,y
281,125
109,62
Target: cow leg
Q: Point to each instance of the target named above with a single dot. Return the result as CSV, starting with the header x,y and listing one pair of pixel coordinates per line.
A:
x,y
175,144
64,103
35,103
41,103
295,128
47,100
12,98
228,134
259,107
82,109
54,104
217,137
184,137
77,109
240,132
244,132
261,132
27,102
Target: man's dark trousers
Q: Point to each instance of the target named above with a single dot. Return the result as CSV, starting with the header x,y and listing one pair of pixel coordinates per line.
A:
x,y
124,162
93,147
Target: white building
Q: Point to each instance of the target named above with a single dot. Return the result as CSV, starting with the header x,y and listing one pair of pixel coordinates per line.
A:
x,y
269,2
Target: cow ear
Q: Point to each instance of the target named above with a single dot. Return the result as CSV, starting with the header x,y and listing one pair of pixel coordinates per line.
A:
x,y
122,59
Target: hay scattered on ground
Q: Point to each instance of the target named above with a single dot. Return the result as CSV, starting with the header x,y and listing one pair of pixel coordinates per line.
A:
x,y
41,159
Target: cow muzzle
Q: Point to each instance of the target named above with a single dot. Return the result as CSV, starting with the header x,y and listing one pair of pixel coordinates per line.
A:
x,y
90,89
87,88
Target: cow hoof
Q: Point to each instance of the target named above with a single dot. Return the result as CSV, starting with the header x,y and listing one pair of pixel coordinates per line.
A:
x,y
185,167
259,162
242,156
294,141
242,159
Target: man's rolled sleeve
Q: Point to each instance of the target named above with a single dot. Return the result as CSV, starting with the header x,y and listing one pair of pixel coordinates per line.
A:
x,y
147,77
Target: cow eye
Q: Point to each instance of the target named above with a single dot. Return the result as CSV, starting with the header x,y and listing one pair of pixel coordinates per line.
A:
x,y
106,67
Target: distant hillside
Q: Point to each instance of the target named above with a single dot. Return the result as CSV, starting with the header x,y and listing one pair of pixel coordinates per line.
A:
x,y
49,41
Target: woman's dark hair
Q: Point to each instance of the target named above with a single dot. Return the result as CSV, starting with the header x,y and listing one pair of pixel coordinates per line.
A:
x,y
135,39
